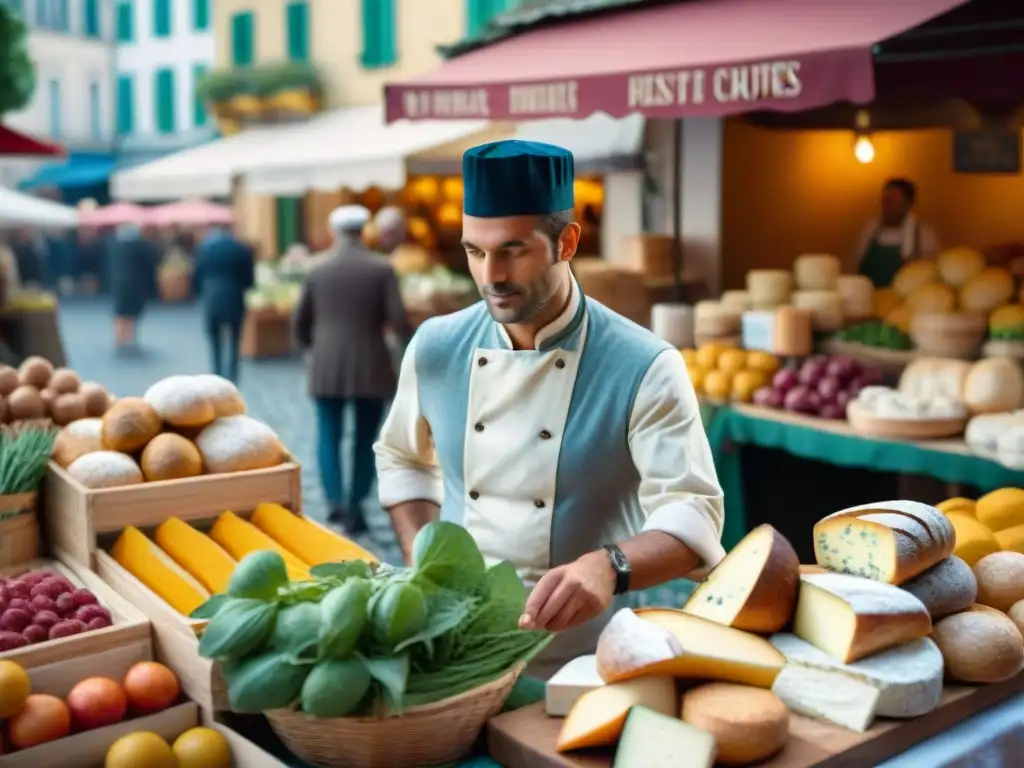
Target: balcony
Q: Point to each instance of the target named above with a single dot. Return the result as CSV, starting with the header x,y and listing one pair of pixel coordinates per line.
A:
x,y
275,92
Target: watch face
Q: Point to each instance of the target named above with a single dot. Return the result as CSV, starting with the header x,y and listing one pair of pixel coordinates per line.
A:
x,y
618,559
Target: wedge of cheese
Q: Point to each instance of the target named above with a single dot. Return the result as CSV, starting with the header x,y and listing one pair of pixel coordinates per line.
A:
x,y
668,642
754,587
850,617
566,686
654,740
596,720
905,681
890,541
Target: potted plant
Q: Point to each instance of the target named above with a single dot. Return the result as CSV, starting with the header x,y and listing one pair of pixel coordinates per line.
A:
x,y
24,453
243,103
217,88
289,88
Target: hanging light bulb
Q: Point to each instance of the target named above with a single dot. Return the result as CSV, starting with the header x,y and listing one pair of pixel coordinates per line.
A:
x,y
864,150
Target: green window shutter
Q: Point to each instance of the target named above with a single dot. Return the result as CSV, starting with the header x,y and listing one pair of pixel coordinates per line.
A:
x,y
161,18
125,104
91,18
242,31
62,23
380,44
289,222
125,21
165,122
200,15
480,12
297,30
199,116
55,109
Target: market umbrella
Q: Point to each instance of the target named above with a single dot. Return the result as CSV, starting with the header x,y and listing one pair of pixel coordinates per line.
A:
x,y
194,213
15,144
20,210
114,215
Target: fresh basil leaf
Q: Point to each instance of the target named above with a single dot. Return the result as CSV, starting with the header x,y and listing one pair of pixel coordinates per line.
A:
x,y
504,603
346,569
446,554
209,609
446,610
392,673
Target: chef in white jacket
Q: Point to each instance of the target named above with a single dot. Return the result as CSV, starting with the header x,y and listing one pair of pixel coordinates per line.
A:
x,y
564,437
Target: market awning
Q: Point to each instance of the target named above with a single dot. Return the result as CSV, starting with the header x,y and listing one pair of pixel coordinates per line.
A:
x,y
204,171
20,210
80,170
703,57
351,147
16,144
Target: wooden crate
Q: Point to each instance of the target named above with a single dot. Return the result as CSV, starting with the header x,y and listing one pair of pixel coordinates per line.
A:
x,y
130,626
175,636
245,753
75,515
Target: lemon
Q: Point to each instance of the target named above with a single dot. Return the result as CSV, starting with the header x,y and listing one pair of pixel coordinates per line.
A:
x,y
202,748
142,749
15,686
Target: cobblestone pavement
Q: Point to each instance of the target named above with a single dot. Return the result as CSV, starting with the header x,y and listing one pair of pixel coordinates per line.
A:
x,y
172,342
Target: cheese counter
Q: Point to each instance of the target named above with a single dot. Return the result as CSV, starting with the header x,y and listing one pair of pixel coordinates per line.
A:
x,y
859,468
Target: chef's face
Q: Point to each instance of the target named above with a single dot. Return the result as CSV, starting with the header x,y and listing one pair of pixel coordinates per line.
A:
x,y
517,268
895,206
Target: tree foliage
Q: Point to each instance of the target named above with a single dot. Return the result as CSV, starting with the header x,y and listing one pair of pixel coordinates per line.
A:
x,y
17,72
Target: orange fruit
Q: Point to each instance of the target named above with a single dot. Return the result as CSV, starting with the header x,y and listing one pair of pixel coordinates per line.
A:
x,y
150,687
202,748
142,748
15,686
42,718
96,702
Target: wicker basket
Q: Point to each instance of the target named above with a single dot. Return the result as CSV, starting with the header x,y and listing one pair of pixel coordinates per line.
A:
x,y
433,734
19,529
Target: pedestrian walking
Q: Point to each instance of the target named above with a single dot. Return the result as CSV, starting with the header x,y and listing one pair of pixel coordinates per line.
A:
x,y
224,271
346,304
133,260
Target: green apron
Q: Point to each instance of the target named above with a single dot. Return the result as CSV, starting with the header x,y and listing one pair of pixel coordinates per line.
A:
x,y
880,263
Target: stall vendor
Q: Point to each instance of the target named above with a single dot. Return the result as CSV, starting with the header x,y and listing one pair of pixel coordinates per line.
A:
x,y
564,437
896,236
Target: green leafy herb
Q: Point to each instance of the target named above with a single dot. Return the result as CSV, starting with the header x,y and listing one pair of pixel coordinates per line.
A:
x,y
392,673
239,628
335,687
210,608
258,576
343,617
447,555
268,681
349,569
24,454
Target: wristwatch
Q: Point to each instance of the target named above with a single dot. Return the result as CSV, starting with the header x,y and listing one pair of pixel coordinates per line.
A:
x,y
620,565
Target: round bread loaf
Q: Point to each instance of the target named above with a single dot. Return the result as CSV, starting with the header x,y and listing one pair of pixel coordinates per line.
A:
x,y
170,457
1000,579
129,424
1016,614
946,588
979,646
85,428
105,469
223,394
238,444
68,447
181,401
749,724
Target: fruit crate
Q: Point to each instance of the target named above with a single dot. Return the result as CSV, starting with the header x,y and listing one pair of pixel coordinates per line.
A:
x,y
130,626
176,635
74,516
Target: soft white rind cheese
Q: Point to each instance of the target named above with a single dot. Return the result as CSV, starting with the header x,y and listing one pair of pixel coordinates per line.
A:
x,y
907,677
830,696
569,683
653,740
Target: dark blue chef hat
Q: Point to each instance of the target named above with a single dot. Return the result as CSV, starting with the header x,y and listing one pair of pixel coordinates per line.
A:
x,y
517,178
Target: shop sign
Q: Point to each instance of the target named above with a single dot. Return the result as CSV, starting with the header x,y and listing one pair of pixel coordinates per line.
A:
x,y
748,83
988,151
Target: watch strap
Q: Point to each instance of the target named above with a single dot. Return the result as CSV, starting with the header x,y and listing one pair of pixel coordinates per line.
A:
x,y
620,565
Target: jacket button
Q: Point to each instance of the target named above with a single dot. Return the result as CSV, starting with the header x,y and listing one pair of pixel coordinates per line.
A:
x,y
482,362
545,435
539,504
474,495
559,363
478,427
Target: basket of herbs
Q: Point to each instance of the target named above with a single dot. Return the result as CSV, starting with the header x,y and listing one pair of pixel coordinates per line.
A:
x,y
25,449
367,665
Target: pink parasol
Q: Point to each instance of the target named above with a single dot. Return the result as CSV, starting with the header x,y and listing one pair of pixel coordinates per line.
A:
x,y
190,213
114,215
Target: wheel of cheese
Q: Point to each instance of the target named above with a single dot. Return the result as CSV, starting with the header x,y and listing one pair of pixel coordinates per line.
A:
x,y
129,424
238,444
1000,579
1016,615
105,469
816,272
959,264
913,275
857,294
990,288
769,288
222,393
181,401
826,308
170,457
935,298
947,588
1000,509
749,724
979,646
973,540
994,385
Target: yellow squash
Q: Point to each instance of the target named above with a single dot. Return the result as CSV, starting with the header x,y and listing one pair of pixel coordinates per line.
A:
x,y
146,562
307,541
240,537
197,553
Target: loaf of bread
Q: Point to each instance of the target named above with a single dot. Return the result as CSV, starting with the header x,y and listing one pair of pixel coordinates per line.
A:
x,y
1000,579
754,587
946,588
850,617
980,646
890,541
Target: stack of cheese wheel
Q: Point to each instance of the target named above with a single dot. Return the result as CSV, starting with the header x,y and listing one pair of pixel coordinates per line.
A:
x,y
873,630
769,288
714,321
816,278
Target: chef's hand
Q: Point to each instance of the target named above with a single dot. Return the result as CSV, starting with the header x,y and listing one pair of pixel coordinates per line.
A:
x,y
570,595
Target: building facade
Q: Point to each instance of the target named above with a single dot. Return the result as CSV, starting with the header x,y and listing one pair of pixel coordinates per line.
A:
x,y
71,43
163,48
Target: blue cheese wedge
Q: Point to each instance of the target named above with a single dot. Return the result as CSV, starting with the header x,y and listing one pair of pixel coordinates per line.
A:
x,y
653,740
905,681
569,683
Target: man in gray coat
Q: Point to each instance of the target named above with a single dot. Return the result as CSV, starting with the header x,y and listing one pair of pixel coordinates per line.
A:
x,y
346,304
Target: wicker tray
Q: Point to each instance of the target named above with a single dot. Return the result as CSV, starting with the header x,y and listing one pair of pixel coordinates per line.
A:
x,y
863,422
433,734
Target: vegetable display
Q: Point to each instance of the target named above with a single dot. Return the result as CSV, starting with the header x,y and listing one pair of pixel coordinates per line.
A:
x,y
876,333
24,452
43,605
367,639
821,386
